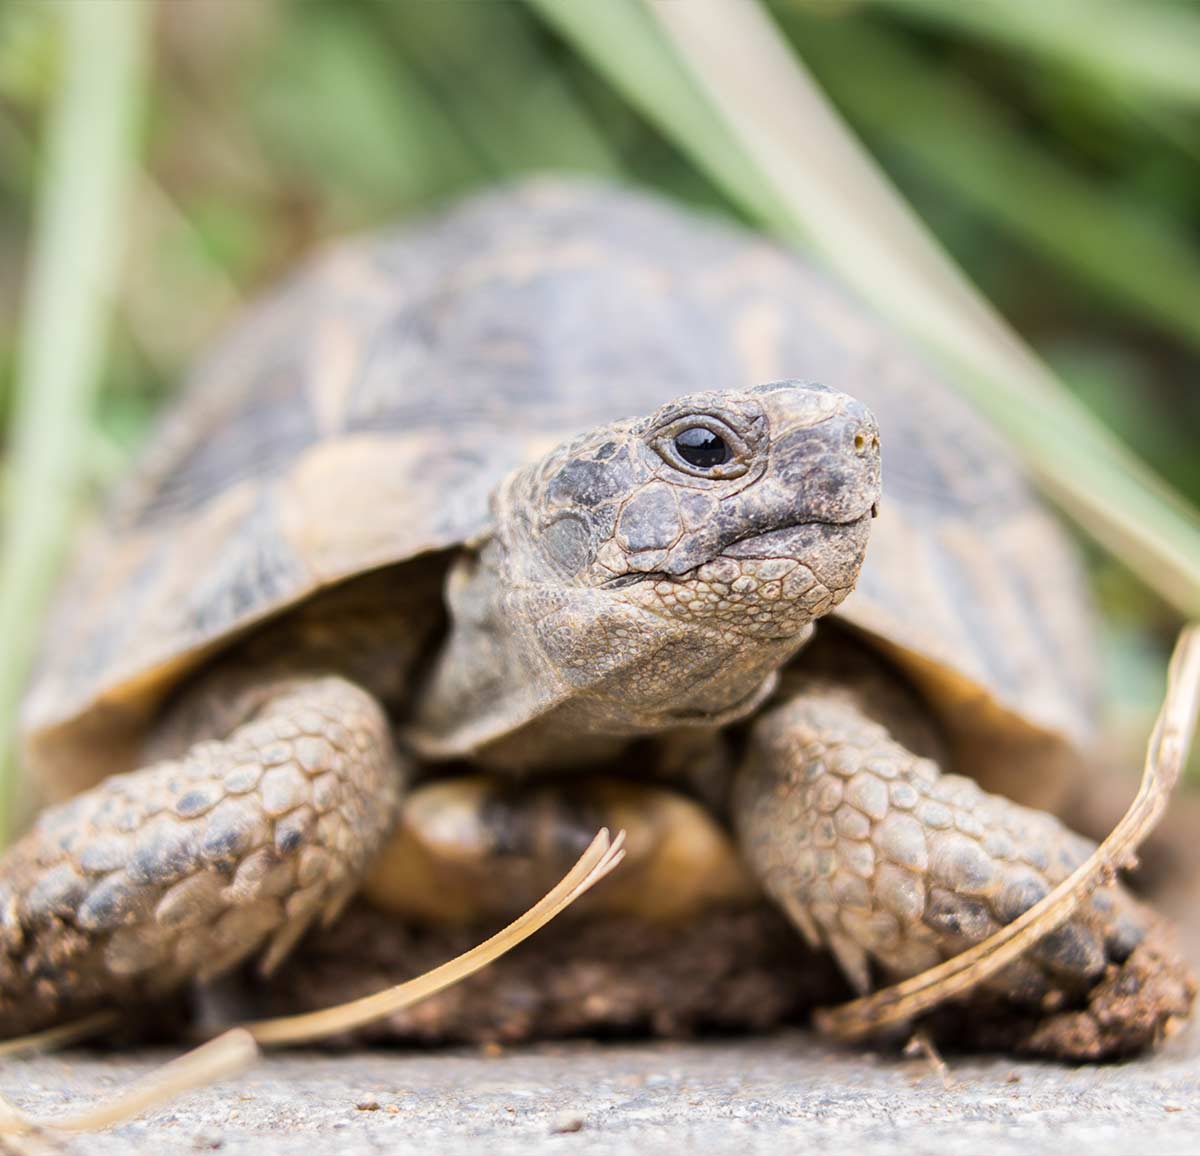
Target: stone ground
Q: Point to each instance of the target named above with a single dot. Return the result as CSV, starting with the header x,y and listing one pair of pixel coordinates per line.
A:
x,y
783,1093
789,1092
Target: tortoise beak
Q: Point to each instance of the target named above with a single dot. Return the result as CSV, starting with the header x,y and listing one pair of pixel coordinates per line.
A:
x,y
823,472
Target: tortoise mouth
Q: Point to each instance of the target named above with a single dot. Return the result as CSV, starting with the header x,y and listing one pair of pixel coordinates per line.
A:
x,y
633,577
795,542
802,542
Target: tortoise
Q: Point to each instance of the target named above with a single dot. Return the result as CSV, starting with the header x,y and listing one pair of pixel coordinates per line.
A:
x,y
553,510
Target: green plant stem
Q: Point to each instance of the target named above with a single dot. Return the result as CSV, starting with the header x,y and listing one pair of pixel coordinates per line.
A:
x,y
89,163
510,101
1141,46
622,41
1141,262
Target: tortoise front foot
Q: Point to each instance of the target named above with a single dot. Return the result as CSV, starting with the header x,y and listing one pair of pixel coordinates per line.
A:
x,y
879,856
184,868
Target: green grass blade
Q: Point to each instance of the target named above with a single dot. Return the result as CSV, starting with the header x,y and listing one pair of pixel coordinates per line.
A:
x,y
508,98
348,120
622,41
1141,46
89,164
1143,263
780,150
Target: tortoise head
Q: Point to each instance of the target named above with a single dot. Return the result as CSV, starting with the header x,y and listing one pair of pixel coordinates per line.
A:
x,y
654,573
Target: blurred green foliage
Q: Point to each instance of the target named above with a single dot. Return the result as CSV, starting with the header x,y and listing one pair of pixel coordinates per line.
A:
x,y
1058,166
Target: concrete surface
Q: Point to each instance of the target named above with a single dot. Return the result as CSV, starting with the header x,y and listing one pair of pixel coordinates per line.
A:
x,y
787,1093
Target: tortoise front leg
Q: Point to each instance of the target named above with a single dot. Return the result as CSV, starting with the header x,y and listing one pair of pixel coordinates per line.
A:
x,y
186,867
878,855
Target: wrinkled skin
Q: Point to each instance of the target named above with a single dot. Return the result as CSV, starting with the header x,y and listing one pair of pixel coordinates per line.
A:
x,y
625,591
650,578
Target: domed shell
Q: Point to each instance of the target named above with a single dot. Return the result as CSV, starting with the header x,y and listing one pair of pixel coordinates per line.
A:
x,y
361,414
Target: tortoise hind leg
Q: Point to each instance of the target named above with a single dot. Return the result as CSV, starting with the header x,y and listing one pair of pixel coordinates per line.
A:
x,y
186,867
881,857
480,848
678,940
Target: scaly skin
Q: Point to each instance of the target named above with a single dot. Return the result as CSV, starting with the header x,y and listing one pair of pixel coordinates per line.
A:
x,y
187,867
624,591
878,855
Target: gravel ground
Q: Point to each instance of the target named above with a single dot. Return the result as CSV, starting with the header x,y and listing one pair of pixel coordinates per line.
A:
x,y
783,1093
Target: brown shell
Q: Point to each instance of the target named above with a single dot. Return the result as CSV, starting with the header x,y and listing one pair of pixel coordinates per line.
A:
x,y
361,415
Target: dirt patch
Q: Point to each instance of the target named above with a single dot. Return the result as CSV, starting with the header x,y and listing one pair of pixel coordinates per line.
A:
x,y
739,970
736,971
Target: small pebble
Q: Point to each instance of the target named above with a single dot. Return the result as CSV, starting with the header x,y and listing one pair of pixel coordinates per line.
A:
x,y
368,1105
567,1122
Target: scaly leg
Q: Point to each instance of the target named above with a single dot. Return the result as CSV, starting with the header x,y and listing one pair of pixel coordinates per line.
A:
x,y
878,855
188,866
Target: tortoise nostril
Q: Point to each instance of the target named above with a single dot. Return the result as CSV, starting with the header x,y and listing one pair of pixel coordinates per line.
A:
x,y
865,441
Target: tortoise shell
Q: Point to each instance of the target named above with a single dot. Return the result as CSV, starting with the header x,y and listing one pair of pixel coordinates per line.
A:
x,y
361,414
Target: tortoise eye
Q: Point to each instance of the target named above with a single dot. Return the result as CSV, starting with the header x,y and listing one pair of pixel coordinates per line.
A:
x,y
701,447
